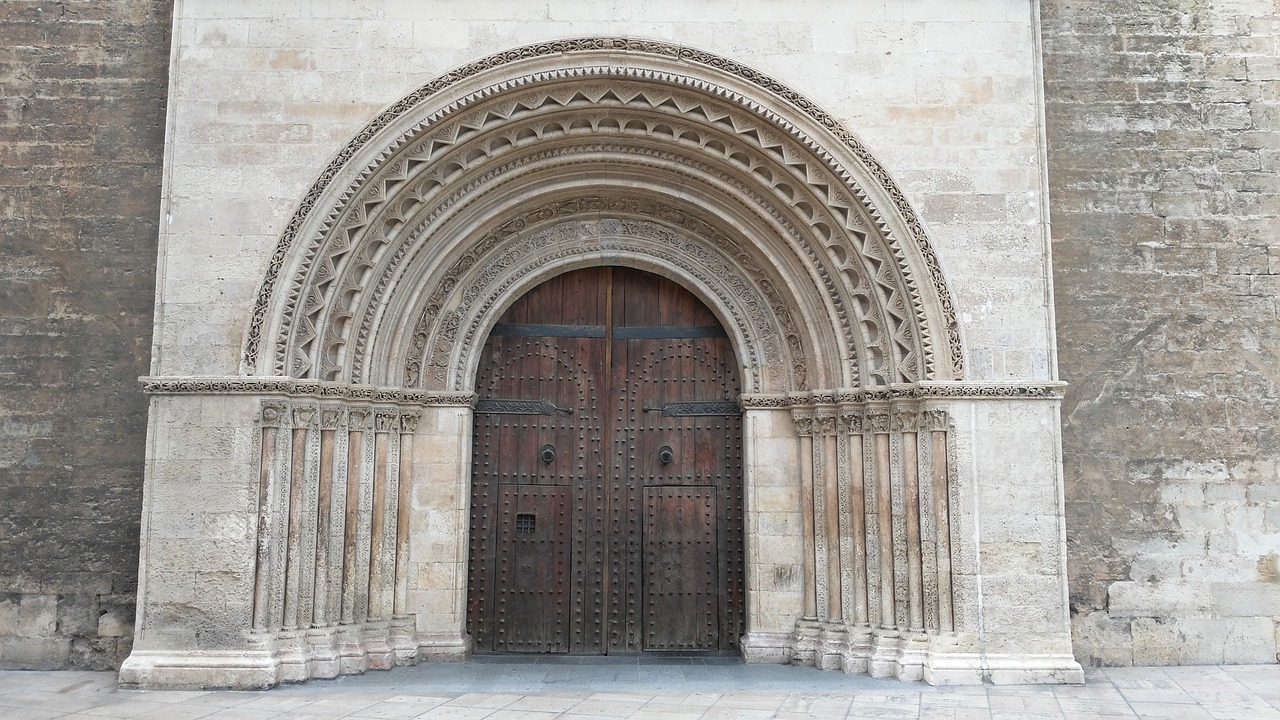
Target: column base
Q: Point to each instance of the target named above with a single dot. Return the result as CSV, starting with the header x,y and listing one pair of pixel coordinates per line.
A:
x,y
759,648
938,659
237,670
291,656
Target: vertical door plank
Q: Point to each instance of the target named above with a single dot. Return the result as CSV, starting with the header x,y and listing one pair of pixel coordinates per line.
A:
x,y
681,600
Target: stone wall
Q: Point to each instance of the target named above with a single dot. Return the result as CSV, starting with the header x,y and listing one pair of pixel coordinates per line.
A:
x,y
264,95
82,94
1162,122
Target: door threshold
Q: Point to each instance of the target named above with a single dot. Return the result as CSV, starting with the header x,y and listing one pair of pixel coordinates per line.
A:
x,y
600,660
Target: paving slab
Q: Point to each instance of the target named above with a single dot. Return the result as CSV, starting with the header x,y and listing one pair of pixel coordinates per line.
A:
x,y
495,688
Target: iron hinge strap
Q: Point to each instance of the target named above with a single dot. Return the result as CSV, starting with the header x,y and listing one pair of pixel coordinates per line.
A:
x,y
495,406
703,407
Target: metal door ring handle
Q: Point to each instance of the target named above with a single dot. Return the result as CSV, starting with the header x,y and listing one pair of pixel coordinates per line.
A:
x,y
665,455
548,454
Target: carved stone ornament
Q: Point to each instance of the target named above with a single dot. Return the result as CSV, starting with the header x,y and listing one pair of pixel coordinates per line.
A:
x,y
386,422
750,401
950,391
289,387
934,419
773,184
905,420
303,416
805,426
331,418
443,342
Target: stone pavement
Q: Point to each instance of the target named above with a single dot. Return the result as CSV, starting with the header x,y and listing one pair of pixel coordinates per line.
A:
x,y
658,688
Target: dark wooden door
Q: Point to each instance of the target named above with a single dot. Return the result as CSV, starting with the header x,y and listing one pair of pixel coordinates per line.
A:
x,y
606,506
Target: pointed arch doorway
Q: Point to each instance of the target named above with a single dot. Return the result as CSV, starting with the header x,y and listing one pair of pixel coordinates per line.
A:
x,y
607,506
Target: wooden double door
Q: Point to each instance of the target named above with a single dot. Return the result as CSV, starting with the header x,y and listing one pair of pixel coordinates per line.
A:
x,y
606,507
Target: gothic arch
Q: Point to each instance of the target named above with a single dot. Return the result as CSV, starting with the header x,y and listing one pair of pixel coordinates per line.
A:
x,y
607,151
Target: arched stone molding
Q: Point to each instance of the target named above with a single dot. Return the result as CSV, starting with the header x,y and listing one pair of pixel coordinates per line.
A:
x,y
753,303
336,464
761,327
786,181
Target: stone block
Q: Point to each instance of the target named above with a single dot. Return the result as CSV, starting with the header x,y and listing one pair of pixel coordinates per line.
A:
x,y
436,601
778,605
1162,599
775,499
77,615
1219,568
37,616
1246,599
1023,590
787,577
1101,640
1264,493
9,622
34,653
113,624
778,523
1203,641
1012,557
436,575
775,550
1224,493
1183,493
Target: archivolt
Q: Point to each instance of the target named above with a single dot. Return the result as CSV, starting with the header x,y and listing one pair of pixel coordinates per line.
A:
x,y
500,267
827,249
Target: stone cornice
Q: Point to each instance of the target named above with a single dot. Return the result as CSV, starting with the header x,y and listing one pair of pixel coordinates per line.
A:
x,y
290,387
1046,390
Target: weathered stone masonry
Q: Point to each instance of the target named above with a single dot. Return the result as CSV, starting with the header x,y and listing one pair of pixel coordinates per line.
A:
x,y
1162,125
82,95
528,161
1164,142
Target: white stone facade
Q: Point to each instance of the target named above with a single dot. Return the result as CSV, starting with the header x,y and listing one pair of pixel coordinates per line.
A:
x,y
355,190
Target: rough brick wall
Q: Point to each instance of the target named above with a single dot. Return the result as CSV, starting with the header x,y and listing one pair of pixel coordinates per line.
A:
x,y
1163,122
82,92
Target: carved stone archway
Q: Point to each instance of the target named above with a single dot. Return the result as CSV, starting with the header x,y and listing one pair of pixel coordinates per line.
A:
x,y
544,121
362,345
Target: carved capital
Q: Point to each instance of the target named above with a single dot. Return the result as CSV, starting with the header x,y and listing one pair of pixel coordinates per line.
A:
x,y
331,418
409,423
852,421
825,422
386,422
803,419
272,415
934,419
358,418
303,416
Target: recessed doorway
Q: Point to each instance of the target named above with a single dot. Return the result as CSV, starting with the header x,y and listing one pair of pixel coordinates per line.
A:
x,y
607,503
